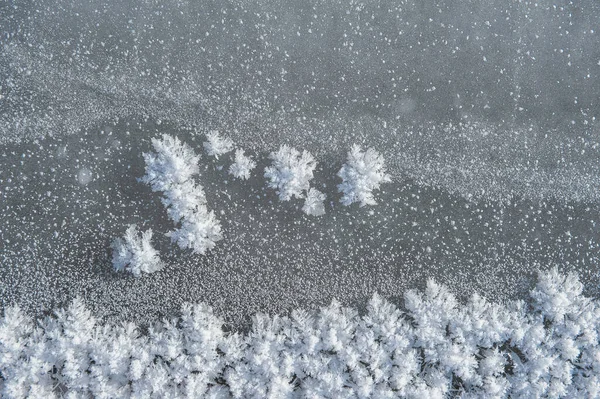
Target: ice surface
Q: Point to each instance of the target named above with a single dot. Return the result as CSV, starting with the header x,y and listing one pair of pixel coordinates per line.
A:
x,y
56,236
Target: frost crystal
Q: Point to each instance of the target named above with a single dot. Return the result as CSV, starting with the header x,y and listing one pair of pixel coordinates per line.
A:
x,y
242,166
169,170
290,172
313,204
362,173
434,348
173,162
135,254
217,145
199,230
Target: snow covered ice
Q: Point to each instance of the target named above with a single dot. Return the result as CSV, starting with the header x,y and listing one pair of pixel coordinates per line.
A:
x,y
173,172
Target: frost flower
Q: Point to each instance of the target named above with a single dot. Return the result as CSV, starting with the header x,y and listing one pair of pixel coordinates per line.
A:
x,y
217,145
242,166
291,172
171,170
361,175
313,204
435,347
135,254
172,162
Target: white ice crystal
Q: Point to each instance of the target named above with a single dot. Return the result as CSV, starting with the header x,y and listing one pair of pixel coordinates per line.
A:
x,y
362,173
242,166
434,348
183,200
217,145
134,253
291,172
167,171
313,204
198,231
172,162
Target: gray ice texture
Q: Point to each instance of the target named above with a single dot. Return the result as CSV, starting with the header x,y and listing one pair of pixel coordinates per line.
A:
x,y
486,113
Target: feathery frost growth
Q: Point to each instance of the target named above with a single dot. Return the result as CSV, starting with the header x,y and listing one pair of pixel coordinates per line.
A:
x,y
242,166
171,170
362,173
433,348
291,172
172,163
313,204
217,145
135,254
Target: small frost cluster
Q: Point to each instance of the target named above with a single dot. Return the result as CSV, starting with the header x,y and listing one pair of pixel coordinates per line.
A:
x,y
313,204
135,254
434,348
361,174
290,174
170,169
242,166
217,145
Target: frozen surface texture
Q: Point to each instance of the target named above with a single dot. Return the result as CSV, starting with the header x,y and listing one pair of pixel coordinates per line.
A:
x,y
435,347
486,113
56,235
401,77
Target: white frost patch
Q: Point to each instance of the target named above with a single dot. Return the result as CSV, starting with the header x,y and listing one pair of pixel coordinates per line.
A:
x,y
433,348
242,166
171,170
361,175
290,172
172,163
135,254
313,204
217,145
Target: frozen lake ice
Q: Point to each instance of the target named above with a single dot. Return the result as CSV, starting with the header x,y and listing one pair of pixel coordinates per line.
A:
x,y
487,117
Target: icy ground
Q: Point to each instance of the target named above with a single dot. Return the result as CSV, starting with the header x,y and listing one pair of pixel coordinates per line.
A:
x,y
65,199
486,113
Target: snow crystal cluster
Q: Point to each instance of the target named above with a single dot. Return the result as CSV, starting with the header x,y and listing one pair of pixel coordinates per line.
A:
x,y
242,165
361,174
434,348
290,174
216,145
313,204
170,169
135,254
